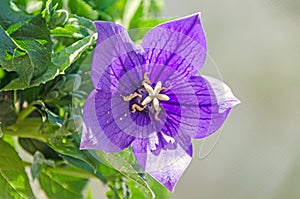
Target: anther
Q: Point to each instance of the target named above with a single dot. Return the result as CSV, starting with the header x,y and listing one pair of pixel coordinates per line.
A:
x,y
157,113
131,96
146,79
167,88
135,107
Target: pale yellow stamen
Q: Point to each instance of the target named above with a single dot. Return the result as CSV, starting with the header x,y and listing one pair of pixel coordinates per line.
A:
x,y
167,88
131,96
154,96
146,79
137,107
157,113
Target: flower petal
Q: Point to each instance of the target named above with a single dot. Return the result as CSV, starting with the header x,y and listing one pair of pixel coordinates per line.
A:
x,y
215,102
114,55
166,167
180,44
197,107
100,130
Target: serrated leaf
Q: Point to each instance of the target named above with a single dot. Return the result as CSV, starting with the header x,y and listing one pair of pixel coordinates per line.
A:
x,y
14,182
62,186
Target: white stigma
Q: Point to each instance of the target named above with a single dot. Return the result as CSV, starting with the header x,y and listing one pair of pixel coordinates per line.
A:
x,y
154,95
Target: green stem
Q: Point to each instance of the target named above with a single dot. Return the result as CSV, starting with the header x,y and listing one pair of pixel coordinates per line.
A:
x,y
66,171
25,112
24,134
70,172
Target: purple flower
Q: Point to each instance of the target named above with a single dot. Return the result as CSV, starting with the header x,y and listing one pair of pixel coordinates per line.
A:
x,y
150,97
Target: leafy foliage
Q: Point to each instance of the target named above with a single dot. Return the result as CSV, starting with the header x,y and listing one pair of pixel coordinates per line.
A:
x,y
45,58
13,179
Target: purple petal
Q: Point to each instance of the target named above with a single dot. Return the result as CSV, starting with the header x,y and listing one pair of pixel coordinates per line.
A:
x,y
180,44
215,102
197,107
114,55
166,167
100,130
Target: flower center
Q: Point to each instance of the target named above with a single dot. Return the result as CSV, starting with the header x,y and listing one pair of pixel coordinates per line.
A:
x,y
150,100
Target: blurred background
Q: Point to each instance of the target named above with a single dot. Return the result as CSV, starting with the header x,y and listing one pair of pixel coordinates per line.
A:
x,y
256,47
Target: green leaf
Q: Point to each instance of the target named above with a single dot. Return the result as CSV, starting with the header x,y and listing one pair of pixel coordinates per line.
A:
x,y
82,8
17,84
14,182
69,146
76,27
151,8
147,12
38,161
33,146
69,55
130,9
62,60
59,18
116,161
62,186
9,14
26,48
116,10
101,4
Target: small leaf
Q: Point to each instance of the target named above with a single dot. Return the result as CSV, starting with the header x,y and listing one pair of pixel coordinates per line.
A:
x,y
82,8
33,146
62,186
38,161
14,182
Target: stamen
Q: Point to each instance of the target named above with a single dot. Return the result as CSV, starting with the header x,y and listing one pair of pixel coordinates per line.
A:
x,y
167,88
131,96
156,104
157,113
146,79
135,107
154,96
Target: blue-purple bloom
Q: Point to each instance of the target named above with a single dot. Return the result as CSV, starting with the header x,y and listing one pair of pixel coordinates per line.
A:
x,y
150,97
